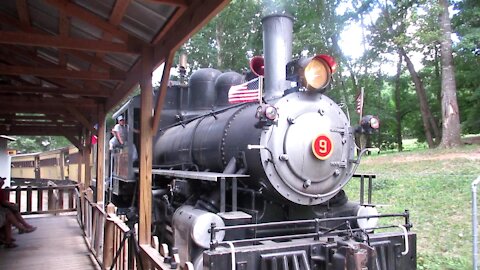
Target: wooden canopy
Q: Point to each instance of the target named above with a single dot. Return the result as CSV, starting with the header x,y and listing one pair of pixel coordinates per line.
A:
x,y
64,63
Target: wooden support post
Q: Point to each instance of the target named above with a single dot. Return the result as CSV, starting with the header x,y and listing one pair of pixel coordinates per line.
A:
x,y
51,199
80,154
108,238
86,162
163,91
101,153
40,200
145,197
29,199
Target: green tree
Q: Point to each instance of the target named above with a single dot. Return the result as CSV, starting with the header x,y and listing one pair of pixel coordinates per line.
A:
x,y
466,24
32,144
450,112
229,40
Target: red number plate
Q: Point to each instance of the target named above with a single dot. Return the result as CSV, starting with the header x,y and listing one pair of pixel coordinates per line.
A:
x,y
322,147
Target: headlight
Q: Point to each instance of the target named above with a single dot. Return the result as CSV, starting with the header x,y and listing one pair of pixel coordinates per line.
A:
x,y
317,74
313,73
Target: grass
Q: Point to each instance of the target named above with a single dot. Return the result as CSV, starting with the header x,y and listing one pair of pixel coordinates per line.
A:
x,y
435,186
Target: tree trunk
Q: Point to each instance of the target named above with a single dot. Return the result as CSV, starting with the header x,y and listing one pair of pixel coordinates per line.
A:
x,y
398,112
450,113
218,39
422,98
437,73
429,123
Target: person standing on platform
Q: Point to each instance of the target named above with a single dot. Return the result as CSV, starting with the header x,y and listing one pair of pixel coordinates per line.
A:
x,y
120,132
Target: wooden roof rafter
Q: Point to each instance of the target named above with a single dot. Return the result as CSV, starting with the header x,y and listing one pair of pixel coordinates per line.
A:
x,y
83,14
28,89
64,31
41,63
85,54
23,12
41,40
5,18
190,20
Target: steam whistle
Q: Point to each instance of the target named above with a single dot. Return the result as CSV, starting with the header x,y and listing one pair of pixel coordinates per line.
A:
x,y
182,68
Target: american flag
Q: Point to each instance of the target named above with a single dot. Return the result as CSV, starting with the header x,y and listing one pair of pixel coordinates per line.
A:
x,y
359,101
246,92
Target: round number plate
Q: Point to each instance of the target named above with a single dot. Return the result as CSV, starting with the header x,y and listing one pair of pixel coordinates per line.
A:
x,y
322,147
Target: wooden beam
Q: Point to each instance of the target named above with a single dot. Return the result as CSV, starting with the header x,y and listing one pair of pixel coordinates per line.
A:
x,y
162,92
194,18
36,131
33,58
34,108
24,117
119,11
9,58
145,157
8,100
89,17
64,30
101,154
61,73
75,141
123,90
82,44
169,24
86,159
93,60
22,10
178,3
81,118
38,122
196,15
53,90
6,19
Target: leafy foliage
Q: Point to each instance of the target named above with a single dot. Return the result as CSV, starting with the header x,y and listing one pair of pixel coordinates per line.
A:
x,y
32,144
467,25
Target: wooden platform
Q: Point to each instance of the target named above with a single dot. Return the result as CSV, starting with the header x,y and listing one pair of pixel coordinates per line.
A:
x,y
56,244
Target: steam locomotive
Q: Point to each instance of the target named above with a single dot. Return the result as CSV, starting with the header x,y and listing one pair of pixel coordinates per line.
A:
x,y
259,184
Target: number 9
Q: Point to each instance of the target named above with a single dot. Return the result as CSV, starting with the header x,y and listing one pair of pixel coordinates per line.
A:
x,y
322,146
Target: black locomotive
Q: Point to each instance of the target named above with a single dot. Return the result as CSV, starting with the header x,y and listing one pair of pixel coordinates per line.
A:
x,y
258,185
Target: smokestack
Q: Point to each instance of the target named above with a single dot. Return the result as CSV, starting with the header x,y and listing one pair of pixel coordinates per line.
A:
x,y
277,50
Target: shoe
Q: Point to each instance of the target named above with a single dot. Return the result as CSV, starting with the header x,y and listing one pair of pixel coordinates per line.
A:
x,y
27,230
30,229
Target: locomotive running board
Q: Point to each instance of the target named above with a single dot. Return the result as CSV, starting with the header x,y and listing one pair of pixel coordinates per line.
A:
x,y
206,176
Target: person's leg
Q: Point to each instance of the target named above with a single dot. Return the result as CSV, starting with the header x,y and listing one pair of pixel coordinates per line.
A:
x,y
20,219
14,221
7,230
14,209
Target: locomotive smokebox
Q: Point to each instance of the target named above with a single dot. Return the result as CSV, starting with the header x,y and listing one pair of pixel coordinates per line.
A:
x,y
277,49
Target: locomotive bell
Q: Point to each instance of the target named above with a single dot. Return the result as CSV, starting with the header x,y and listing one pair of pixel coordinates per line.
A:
x,y
257,65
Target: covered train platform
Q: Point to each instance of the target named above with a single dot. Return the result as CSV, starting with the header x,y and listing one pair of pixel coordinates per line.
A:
x,y
64,65
58,243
